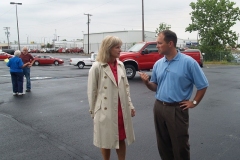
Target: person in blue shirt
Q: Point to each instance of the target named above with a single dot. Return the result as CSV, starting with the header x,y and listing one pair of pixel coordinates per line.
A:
x,y
173,79
16,64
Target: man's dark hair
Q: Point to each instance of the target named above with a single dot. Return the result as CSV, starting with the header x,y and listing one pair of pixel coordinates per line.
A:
x,y
170,36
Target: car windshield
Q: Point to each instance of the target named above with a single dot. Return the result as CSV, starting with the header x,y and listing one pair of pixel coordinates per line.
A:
x,y
136,47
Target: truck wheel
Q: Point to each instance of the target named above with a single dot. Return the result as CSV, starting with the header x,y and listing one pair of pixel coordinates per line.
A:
x,y
80,65
130,71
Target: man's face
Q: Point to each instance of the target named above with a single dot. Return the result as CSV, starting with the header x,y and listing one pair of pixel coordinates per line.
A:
x,y
162,46
25,51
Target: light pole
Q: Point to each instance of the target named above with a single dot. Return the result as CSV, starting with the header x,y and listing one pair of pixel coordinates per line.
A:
x,y
17,22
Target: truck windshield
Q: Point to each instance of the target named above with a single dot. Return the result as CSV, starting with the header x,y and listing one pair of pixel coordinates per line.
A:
x,y
136,47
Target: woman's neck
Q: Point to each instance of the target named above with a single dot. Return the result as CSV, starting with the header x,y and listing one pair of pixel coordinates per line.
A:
x,y
112,61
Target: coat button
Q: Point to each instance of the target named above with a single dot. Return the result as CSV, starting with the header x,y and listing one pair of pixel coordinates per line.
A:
x,y
105,87
105,77
105,97
105,108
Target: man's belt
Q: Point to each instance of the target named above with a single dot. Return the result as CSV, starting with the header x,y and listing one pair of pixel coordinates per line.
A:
x,y
169,104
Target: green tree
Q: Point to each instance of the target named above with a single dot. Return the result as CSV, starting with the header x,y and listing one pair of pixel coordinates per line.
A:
x,y
49,45
213,19
162,27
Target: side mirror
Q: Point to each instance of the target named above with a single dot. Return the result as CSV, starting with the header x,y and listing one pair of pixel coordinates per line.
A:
x,y
145,51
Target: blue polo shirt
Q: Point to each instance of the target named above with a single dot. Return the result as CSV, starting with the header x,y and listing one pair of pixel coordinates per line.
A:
x,y
175,79
15,63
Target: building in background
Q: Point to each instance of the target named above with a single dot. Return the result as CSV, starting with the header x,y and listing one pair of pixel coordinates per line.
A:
x,y
128,37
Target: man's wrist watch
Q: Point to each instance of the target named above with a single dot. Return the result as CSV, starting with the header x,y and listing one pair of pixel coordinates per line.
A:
x,y
194,102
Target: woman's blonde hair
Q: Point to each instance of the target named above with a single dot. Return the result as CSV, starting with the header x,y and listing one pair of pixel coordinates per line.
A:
x,y
107,44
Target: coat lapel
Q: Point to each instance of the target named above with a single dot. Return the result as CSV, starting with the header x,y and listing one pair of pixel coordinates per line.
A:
x,y
108,72
120,73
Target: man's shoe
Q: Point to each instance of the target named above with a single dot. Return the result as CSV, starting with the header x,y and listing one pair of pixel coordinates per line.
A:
x,y
20,94
28,90
14,94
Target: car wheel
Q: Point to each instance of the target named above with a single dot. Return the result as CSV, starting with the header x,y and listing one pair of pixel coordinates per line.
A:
x,y
81,65
36,63
56,63
130,71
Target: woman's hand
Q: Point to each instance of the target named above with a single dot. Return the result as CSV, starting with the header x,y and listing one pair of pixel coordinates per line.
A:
x,y
133,112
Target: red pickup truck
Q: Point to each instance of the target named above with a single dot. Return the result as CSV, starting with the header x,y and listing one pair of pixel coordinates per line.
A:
x,y
142,56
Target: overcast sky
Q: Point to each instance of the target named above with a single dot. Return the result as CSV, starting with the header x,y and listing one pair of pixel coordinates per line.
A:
x,y
41,19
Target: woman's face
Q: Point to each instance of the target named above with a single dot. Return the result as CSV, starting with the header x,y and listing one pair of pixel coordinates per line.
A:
x,y
115,51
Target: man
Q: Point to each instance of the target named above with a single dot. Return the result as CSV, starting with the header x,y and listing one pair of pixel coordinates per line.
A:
x,y
26,57
173,78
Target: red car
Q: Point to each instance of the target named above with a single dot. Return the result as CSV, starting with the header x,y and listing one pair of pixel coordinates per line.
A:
x,y
4,55
43,60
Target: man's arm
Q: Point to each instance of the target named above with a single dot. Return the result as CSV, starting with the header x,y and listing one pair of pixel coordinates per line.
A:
x,y
150,85
198,97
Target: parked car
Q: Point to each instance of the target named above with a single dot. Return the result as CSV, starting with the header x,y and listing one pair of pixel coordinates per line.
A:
x,y
4,55
61,50
34,51
74,50
43,60
81,62
9,51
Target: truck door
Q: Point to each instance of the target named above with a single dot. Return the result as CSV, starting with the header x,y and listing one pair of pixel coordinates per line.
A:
x,y
151,57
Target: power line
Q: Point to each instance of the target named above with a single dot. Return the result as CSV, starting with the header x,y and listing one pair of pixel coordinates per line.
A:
x,y
6,11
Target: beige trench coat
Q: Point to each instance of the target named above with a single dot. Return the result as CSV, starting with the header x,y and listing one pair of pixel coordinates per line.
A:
x,y
103,95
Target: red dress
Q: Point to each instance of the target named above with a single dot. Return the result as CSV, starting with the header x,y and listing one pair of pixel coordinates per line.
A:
x,y
121,130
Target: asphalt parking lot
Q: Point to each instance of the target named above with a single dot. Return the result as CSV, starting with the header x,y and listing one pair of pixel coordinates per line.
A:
x,y
52,122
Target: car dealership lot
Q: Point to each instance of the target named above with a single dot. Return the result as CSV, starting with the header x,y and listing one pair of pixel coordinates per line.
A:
x,y
52,122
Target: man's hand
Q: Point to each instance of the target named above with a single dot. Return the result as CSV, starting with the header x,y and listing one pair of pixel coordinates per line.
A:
x,y
133,112
144,77
186,105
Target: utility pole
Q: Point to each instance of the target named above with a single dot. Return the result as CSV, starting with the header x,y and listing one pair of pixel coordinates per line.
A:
x,y
88,28
143,36
7,33
83,40
17,22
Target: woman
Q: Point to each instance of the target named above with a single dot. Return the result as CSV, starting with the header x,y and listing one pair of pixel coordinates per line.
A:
x,y
16,64
109,99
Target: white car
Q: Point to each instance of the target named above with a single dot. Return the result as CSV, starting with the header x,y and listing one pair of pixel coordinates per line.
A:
x,y
81,62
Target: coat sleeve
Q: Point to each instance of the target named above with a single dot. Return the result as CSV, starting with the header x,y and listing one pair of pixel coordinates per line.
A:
x,y
92,89
127,88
